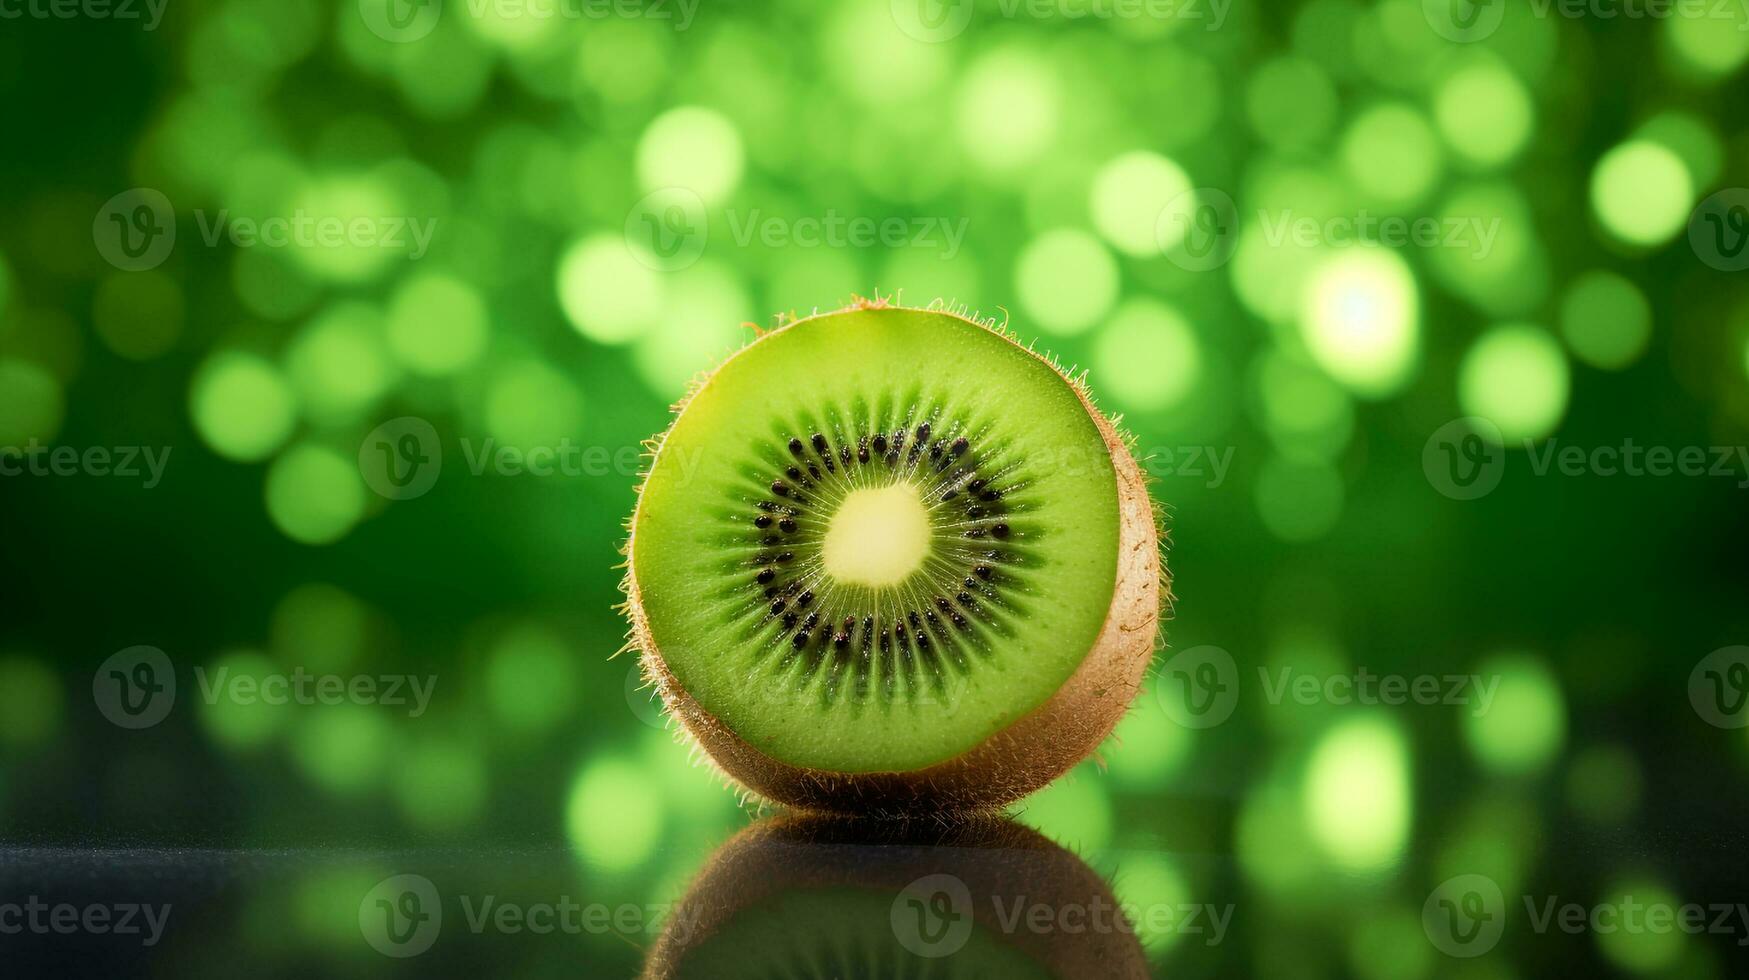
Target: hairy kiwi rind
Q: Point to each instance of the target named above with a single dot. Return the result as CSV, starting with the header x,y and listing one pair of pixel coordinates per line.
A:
x,y
1030,752
998,860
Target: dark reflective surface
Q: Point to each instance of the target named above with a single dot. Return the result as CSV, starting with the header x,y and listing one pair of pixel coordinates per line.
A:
x,y
808,897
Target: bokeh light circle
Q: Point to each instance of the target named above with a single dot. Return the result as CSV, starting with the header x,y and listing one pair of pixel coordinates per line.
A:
x,y
1640,192
1360,317
1066,280
1516,376
242,405
1605,320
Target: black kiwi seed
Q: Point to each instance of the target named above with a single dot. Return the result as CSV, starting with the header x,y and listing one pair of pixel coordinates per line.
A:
x,y
789,620
780,488
965,598
819,443
879,442
801,639
777,607
787,526
766,575
999,530
795,446
771,592
793,473
974,511
812,621
805,598
841,640
923,432
975,486
763,520
990,496
862,450
983,571
959,446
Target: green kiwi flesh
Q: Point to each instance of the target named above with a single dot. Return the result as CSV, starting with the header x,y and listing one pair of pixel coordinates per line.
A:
x,y
873,542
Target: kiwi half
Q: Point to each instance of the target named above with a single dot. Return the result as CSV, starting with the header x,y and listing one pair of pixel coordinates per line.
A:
x,y
822,896
889,560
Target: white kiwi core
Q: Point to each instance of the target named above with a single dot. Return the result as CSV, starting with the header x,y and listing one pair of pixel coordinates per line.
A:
x,y
878,537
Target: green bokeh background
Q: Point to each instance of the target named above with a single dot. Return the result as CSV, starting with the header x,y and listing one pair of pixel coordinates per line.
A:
x,y
616,201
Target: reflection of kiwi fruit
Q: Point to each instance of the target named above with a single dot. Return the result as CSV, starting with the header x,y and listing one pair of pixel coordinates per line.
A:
x,y
889,560
828,897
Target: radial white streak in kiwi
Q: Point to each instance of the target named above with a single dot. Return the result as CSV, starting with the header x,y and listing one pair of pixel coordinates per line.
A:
x,y
877,537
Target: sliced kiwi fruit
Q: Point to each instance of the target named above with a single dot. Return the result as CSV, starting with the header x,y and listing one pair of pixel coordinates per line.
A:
x,y
820,896
889,560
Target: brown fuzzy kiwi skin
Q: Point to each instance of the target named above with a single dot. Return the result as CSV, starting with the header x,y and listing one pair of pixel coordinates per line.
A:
x,y
1031,751
998,860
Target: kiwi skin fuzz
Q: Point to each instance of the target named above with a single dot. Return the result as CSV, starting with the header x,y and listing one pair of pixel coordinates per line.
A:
x,y
1025,756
